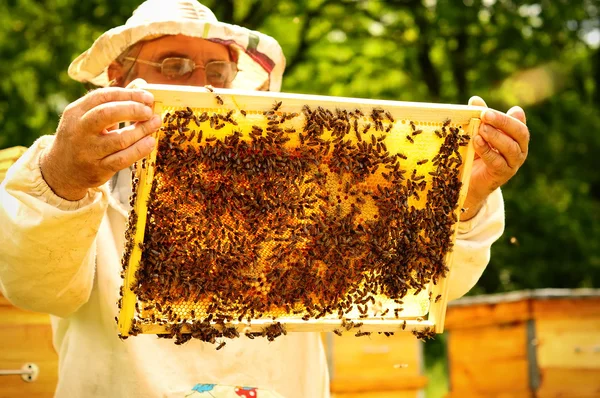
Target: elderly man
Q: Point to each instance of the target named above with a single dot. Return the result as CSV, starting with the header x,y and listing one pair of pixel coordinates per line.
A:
x,y
64,210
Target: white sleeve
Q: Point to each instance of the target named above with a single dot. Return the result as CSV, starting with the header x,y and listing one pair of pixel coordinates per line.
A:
x,y
473,243
48,249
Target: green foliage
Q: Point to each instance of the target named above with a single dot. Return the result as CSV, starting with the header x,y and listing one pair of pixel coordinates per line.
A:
x,y
529,53
38,40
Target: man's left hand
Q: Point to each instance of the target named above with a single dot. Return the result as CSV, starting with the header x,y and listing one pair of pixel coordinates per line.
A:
x,y
501,147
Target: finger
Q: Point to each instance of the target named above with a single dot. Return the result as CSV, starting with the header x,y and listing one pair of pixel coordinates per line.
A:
x,y
508,148
477,101
125,158
108,114
509,125
518,113
115,94
119,140
495,162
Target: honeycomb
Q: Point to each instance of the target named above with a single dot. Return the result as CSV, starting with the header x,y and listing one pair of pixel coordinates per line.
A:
x,y
292,213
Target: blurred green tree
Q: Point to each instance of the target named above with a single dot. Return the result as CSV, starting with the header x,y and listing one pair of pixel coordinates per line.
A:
x,y
543,55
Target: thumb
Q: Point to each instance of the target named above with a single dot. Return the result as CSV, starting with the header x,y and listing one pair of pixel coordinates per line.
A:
x,y
518,113
137,83
477,101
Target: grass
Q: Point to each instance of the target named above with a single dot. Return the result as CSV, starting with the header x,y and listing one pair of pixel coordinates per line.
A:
x,y
437,386
436,367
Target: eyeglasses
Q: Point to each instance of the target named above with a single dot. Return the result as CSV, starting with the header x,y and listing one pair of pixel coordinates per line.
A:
x,y
218,73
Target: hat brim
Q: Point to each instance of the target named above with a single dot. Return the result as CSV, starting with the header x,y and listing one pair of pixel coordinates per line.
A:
x,y
260,56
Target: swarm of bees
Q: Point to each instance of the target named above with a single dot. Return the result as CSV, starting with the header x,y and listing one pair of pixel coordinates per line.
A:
x,y
284,219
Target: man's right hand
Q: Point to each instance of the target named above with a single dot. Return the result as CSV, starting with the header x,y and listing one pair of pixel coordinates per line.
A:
x,y
86,152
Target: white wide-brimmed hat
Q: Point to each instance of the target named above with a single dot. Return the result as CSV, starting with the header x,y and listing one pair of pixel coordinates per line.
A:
x,y
260,58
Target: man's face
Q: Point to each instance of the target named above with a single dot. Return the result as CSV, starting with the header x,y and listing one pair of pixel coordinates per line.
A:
x,y
199,50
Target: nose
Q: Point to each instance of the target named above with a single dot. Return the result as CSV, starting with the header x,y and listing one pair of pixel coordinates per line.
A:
x,y
198,78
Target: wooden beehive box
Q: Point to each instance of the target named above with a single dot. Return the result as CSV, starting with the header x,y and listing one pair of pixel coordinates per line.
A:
x,y
317,212
377,367
26,338
541,343
8,157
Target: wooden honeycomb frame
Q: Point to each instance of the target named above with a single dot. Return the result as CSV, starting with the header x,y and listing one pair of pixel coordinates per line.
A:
x,y
424,114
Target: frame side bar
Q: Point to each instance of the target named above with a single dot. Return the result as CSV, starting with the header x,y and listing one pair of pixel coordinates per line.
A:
x,y
437,313
146,177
